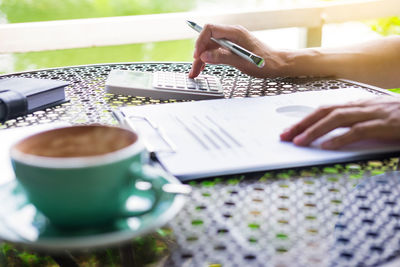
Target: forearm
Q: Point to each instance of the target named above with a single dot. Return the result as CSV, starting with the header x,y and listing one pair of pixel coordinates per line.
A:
x,y
376,62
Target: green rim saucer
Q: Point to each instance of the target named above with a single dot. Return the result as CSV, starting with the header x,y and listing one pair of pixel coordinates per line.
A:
x,y
22,224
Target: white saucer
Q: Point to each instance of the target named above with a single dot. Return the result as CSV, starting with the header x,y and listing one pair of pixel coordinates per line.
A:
x,y
22,224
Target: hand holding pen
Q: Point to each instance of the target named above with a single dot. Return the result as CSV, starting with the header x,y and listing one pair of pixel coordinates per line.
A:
x,y
236,49
232,45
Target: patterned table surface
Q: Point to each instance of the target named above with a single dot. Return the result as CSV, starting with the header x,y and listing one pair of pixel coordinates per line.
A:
x,y
334,215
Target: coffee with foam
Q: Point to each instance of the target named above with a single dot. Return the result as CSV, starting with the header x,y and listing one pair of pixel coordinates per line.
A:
x,y
81,141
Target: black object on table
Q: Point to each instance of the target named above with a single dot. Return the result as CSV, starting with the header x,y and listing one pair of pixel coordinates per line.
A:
x,y
20,96
292,216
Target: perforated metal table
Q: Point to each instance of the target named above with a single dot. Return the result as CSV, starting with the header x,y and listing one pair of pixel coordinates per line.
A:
x,y
314,216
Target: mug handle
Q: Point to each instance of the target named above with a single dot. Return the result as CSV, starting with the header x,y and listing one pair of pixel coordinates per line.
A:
x,y
152,175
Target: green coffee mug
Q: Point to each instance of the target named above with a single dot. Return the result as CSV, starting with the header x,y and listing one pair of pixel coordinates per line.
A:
x,y
82,176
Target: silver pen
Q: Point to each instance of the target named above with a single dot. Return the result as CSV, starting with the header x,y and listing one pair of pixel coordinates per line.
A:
x,y
238,50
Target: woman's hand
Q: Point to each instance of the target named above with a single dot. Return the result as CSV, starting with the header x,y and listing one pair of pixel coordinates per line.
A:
x,y
375,62
377,118
207,51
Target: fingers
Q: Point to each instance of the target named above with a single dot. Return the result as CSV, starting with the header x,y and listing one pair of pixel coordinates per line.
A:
x,y
377,118
221,56
216,56
327,119
206,50
197,67
322,112
204,42
305,123
343,117
361,131
209,51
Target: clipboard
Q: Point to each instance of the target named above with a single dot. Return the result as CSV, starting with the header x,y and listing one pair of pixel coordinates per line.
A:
x,y
209,138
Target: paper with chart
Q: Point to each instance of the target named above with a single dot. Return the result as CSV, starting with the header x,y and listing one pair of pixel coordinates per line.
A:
x,y
217,137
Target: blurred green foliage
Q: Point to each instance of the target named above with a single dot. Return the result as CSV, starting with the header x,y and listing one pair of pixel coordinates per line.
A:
x,y
387,26
396,90
160,51
44,10
16,11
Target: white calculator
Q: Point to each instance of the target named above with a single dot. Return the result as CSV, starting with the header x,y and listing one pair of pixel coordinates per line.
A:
x,y
163,85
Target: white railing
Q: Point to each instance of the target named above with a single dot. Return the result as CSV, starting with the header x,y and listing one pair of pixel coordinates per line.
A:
x,y
52,35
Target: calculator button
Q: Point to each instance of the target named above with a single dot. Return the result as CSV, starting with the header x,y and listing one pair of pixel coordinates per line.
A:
x,y
180,82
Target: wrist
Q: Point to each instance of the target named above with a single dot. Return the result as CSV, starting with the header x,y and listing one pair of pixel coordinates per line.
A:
x,y
311,62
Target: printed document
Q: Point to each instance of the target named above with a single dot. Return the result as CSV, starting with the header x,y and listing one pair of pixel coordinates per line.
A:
x,y
227,136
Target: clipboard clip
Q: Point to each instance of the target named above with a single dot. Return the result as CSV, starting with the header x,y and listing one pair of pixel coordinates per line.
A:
x,y
153,136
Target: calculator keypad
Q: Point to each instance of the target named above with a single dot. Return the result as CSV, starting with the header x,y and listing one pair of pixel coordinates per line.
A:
x,y
180,81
